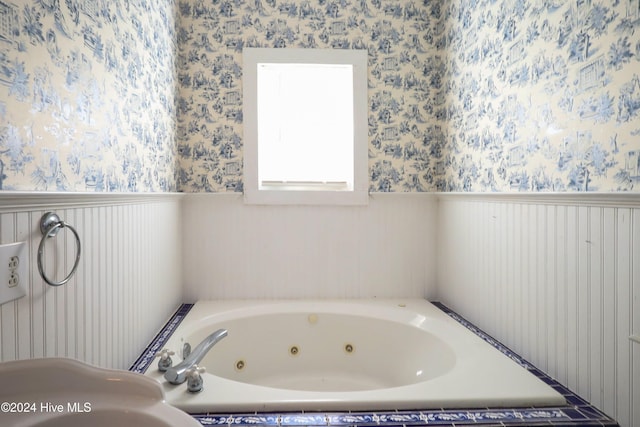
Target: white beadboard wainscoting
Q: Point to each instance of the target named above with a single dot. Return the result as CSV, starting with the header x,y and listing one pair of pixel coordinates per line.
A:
x,y
554,277
557,279
126,286
233,250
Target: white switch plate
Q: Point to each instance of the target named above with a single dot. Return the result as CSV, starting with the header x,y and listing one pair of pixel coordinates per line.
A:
x,y
14,271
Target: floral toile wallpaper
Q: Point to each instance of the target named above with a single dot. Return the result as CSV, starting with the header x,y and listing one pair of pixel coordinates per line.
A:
x,y
464,95
540,96
87,95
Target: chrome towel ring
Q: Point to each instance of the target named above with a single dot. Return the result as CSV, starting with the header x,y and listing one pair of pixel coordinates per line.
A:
x,y
50,225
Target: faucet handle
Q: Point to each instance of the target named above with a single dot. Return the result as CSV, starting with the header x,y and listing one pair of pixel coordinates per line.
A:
x,y
194,379
165,361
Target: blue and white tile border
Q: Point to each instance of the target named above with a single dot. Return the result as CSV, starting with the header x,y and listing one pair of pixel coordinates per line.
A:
x,y
578,412
143,362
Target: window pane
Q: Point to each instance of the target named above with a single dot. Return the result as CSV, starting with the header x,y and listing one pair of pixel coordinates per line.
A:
x,y
306,144
314,143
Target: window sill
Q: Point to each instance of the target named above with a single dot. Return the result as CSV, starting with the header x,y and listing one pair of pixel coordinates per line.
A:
x,y
314,197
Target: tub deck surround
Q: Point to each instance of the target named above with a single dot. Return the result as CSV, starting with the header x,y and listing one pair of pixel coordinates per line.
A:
x,y
345,355
576,411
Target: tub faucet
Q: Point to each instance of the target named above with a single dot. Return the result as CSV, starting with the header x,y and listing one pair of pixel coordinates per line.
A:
x,y
178,374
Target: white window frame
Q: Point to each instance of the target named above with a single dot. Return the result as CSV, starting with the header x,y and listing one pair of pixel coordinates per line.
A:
x,y
254,193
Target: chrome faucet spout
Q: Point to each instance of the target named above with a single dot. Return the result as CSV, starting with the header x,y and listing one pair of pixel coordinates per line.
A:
x,y
178,374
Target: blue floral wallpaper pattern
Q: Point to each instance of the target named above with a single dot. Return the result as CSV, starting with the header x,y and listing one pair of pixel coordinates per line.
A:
x,y
464,95
87,95
541,96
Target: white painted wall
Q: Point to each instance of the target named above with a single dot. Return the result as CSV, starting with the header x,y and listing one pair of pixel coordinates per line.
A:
x,y
557,279
125,288
233,250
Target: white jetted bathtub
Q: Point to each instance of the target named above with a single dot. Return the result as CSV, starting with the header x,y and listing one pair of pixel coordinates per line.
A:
x,y
345,355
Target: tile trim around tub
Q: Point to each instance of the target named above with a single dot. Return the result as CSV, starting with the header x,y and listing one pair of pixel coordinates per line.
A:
x,y
578,412
145,360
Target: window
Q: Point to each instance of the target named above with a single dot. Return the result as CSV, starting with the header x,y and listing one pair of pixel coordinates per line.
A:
x,y
305,126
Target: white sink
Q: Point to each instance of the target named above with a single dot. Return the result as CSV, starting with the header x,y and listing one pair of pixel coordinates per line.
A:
x,y
56,392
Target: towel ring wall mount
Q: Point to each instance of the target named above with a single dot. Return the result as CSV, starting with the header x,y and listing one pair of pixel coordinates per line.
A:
x,y
50,225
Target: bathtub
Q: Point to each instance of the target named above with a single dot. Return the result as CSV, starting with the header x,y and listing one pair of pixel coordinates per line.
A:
x,y
345,355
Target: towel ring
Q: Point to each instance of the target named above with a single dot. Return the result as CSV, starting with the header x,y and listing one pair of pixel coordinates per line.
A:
x,y
50,225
